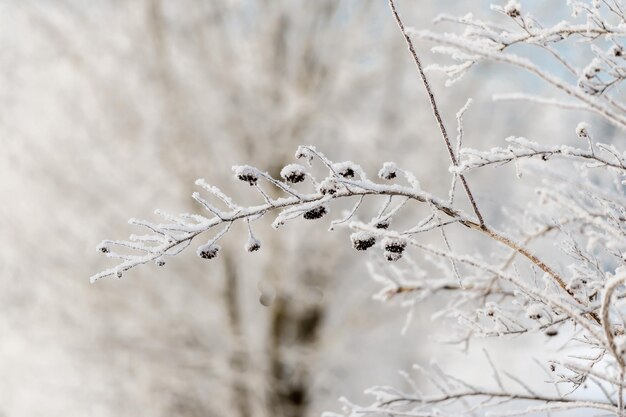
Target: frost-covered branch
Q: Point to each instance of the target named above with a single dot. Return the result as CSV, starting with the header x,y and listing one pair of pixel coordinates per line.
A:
x,y
555,267
344,180
455,394
593,80
521,148
435,109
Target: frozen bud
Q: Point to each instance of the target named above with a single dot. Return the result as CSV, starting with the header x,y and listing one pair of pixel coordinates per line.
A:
x,y
293,173
304,153
362,240
208,251
513,9
392,256
104,248
382,224
159,262
346,169
389,171
394,244
582,130
315,213
253,244
616,50
328,187
246,173
535,311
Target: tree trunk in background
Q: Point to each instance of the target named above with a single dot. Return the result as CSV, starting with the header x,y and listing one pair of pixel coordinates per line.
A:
x,y
239,359
292,328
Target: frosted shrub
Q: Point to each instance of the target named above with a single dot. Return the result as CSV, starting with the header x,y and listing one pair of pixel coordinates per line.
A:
x,y
517,292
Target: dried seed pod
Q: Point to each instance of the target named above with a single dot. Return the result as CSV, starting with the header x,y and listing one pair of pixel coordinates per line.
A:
x,y
315,213
253,244
617,50
208,251
246,173
394,244
513,9
304,153
582,130
293,173
389,171
362,240
347,169
104,248
328,187
382,224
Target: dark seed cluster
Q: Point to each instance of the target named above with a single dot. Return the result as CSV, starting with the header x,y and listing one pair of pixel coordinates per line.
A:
x,y
382,224
246,174
394,248
304,153
250,179
253,245
362,240
328,187
293,173
347,173
388,172
512,9
315,213
346,169
513,12
617,50
208,252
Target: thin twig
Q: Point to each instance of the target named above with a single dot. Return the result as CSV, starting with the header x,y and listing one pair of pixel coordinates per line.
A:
x,y
435,108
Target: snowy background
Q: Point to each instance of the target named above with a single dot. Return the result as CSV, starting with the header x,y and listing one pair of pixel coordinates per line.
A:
x,y
113,108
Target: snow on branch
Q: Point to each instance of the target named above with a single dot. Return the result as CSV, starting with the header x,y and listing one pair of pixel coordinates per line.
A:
x,y
592,82
521,148
344,180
